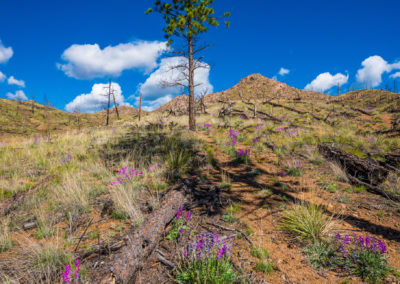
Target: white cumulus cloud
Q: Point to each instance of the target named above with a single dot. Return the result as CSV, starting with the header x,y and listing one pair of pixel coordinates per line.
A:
x,y
153,87
152,105
395,75
372,70
284,71
96,99
18,96
325,81
13,81
2,77
5,53
89,61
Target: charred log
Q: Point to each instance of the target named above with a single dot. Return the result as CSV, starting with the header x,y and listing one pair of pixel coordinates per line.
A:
x,y
365,170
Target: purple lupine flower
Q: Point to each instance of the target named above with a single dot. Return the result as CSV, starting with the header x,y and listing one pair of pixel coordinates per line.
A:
x,y
280,129
188,215
179,212
66,275
382,247
361,240
77,268
337,236
258,127
181,230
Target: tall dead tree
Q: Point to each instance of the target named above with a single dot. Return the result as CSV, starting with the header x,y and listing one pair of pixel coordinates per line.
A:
x,y
115,103
201,102
108,102
140,106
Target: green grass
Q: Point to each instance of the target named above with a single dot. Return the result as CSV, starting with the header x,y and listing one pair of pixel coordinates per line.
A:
x,y
264,266
331,187
229,218
259,252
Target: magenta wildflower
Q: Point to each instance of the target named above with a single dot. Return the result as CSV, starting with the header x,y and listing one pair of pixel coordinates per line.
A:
x,y
66,275
77,268
188,215
181,230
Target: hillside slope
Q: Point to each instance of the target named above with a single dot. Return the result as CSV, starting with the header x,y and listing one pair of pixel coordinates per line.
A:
x,y
380,100
31,118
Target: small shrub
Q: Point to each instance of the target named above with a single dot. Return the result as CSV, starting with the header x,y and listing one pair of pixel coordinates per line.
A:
x,y
295,169
233,209
229,218
321,254
330,187
365,257
178,161
306,222
243,156
359,188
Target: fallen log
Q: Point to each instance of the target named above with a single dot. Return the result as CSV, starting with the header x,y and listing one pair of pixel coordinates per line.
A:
x,y
361,111
368,171
300,112
393,159
376,190
143,240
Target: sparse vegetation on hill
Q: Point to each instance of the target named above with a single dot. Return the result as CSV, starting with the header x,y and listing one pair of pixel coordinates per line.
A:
x,y
19,118
311,184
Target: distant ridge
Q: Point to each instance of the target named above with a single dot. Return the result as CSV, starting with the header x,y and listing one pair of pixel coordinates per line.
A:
x,y
31,118
254,86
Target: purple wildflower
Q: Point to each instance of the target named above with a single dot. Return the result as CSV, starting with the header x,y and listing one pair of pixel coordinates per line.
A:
x,y
66,275
77,268
181,230
188,215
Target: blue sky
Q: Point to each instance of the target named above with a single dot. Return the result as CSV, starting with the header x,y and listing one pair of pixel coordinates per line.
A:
x,y
355,41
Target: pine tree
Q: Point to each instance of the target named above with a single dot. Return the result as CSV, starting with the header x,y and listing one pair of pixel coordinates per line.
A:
x,y
187,19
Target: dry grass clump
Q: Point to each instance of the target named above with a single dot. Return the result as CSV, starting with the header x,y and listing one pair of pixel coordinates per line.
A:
x,y
125,198
34,263
338,172
5,236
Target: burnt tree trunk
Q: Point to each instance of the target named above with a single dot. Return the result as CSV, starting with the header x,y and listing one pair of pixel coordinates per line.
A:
x,y
140,106
144,239
366,170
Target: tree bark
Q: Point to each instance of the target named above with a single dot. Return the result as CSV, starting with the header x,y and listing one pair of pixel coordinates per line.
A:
x,y
192,119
